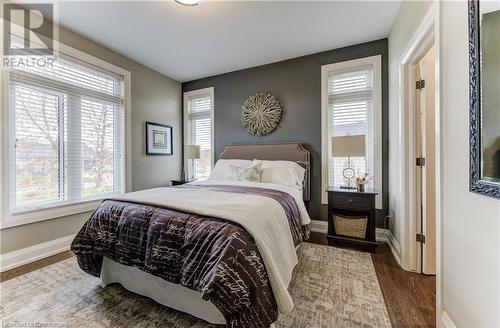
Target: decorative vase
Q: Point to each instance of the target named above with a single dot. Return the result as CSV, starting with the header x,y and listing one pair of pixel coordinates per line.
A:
x,y
361,187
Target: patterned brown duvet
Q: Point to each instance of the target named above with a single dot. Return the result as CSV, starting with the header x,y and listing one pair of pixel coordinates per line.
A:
x,y
215,257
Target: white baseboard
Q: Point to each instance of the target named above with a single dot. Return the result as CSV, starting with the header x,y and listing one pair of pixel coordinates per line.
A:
x,y
386,235
446,320
33,253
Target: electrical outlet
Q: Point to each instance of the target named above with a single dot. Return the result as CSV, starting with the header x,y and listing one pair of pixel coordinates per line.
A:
x,y
389,220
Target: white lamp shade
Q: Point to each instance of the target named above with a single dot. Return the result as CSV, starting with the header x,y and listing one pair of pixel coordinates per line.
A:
x,y
188,2
347,146
192,152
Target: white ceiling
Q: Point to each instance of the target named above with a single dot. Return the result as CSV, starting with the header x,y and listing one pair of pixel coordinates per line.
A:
x,y
187,43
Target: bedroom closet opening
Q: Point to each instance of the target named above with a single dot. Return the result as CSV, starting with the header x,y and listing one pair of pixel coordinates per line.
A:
x,y
425,161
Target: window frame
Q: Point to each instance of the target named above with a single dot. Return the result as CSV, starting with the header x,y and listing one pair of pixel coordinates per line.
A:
x,y
326,142
8,219
186,96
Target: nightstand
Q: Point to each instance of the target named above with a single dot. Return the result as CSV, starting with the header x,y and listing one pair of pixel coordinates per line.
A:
x,y
351,219
178,182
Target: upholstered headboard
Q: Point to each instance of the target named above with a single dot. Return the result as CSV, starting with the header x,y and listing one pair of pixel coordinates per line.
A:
x,y
273,152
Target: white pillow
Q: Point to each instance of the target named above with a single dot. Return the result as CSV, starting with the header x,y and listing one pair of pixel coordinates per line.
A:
x,y
221,169
286,173
251,173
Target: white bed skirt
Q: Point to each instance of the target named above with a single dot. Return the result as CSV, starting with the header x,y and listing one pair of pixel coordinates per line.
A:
x,y
172,295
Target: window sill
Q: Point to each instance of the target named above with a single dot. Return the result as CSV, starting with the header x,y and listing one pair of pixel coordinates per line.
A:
x,y
22,218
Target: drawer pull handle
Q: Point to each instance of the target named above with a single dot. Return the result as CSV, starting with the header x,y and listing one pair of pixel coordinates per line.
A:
x,y
350,201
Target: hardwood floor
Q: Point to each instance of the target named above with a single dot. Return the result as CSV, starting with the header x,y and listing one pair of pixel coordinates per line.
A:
x,y
9,274
410,297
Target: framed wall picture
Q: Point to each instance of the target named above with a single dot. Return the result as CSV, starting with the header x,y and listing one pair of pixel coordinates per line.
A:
x,y
158,139
484,104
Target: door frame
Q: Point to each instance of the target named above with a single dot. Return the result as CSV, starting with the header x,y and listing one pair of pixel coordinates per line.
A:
x,y
418,185
424,148
424,203
425,39
427,34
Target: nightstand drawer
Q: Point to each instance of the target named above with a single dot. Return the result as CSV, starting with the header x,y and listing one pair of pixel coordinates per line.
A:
x,y
354,201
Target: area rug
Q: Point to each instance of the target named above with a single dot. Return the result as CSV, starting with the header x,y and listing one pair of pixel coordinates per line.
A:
x,y
331,287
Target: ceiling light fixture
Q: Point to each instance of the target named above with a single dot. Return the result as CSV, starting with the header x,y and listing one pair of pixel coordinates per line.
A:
x,y
188,2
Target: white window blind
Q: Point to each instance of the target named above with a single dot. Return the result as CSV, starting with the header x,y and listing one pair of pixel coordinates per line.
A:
x,y
199,130
66,134
350,112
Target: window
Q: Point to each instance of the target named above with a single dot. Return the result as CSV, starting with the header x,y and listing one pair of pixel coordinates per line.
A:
x,y
66,135
352,106
198,130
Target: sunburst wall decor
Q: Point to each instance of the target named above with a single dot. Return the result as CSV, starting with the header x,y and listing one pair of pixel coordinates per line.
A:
x,y
261,113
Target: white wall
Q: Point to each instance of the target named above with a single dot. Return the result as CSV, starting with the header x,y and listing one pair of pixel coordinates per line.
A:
x,y
409,17
471,222
470,252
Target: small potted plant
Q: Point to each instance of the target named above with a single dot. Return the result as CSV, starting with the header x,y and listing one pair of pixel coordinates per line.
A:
x,y
361,181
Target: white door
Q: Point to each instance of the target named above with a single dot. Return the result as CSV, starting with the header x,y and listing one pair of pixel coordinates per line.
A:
x,y
426,173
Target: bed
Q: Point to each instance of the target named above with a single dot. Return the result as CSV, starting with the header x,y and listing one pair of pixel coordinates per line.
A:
x,y
221,250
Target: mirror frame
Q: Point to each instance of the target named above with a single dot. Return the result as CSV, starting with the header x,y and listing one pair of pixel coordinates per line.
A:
x,y
477,185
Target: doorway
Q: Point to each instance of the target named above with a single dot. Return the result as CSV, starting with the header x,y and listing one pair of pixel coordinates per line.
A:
x,y
425,161
417,256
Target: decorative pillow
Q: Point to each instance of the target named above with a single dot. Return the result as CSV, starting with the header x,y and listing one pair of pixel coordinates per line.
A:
x,y
287,173
221,170
251,173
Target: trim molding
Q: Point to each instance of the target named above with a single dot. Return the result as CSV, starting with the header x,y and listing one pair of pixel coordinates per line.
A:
x,y
386,235
33,253
185,117
8,219
446,321
326,146
423,38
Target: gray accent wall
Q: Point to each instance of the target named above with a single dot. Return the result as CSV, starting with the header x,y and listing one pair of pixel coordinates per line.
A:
x,y
297,83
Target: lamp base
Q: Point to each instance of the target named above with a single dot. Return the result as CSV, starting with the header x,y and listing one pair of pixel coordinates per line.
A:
x,y
349,174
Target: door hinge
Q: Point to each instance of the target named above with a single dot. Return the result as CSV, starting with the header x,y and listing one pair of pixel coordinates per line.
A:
x,y
420,238
420,161
420,84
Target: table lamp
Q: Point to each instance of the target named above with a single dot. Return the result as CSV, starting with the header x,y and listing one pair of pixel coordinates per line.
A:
x,y
347,146
192,153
